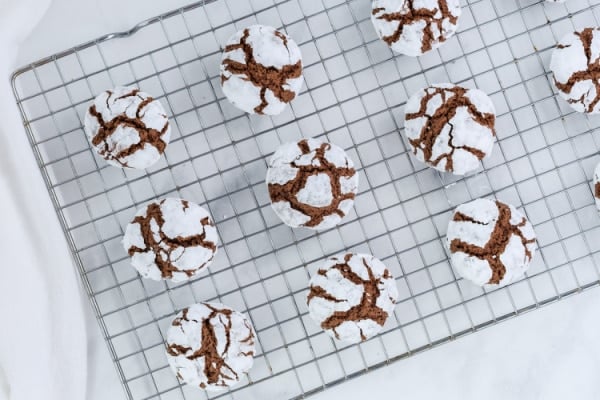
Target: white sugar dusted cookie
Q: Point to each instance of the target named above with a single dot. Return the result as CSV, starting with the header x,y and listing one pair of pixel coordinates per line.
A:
x,y
351,297
261,70
575,67
597,186
311,184
450,128
491,243
414,27
128,128
211,346
171,239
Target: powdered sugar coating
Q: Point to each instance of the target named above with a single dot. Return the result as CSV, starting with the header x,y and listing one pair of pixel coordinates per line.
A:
x,y
211,346
414,27
597,186
491,243
127,127
247,86
171,239
311,184
574,67
351,297
466,138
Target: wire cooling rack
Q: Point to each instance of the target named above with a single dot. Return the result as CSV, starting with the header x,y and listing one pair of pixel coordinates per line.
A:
x,y
354,96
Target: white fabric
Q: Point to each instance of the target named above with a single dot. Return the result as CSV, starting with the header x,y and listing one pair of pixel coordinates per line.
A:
x,y
43,346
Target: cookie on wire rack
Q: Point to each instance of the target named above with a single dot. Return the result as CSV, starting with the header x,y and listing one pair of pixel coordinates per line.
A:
x,y
574,66
597,186
352,296
128,128
261,70
311,184
490,242
211,346
171,239
415,27
450,128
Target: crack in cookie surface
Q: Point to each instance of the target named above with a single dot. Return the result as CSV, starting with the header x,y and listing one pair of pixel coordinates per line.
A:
x,y
367,309
263,77
453,98
217,370
412,15
288,192
147,135
491,252
591,73
165,245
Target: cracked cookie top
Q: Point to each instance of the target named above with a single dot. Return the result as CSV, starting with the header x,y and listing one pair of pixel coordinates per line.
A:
x,y
414,27
491,243
597,186
171,239
351,297
576,67
261,70
311,184
128,128
211,346
450,128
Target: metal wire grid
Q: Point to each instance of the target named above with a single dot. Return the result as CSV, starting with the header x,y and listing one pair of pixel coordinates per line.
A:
x,y
356,89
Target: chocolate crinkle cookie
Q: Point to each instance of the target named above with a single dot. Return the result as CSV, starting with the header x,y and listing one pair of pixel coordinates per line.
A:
x,y
128,128
171,239
491,243
414,27
597,186
575,65
352,296
311,184
261,70
211,346
450,128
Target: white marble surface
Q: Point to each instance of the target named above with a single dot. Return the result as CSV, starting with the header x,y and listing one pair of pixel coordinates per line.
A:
x,y
552,353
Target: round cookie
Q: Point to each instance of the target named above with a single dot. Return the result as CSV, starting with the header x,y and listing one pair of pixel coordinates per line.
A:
x,y
414,27
311,184
491,243
127,127
450,128
597,186
211,346
574,65
261,70
351,297
171,239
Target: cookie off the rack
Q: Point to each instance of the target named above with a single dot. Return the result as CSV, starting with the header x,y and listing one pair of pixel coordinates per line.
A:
x,y
311,184
450,128
491,243
261,70
171,239
414,27
352,296
575,69
211,346
128,128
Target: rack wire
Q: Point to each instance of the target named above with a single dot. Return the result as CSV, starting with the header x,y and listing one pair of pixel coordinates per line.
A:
x,y
354,96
